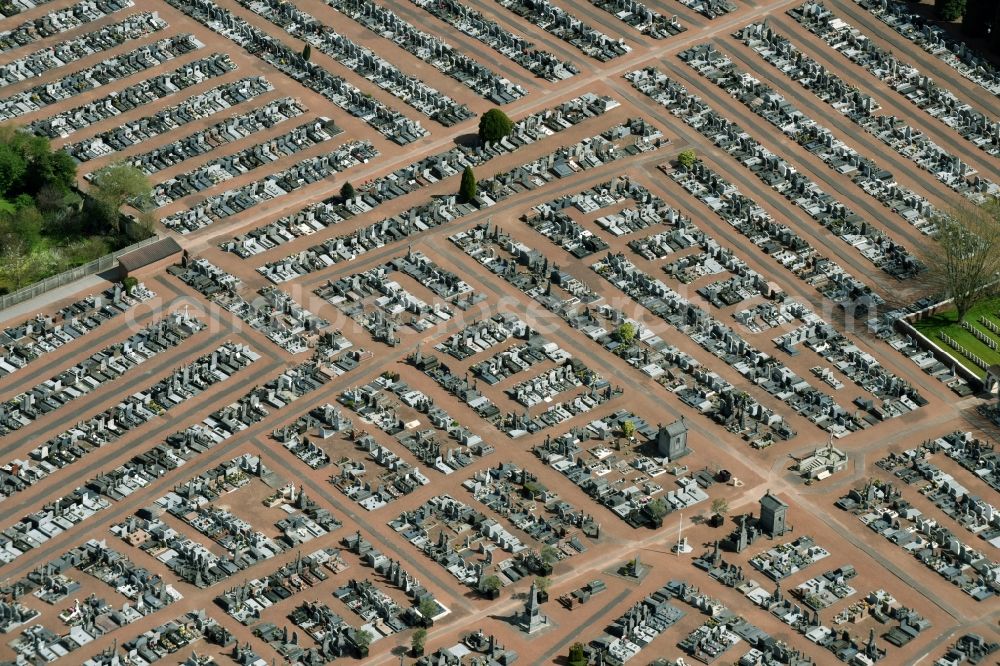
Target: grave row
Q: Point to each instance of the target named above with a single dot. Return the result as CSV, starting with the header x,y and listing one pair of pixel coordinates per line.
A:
x,y
943,489
102,367
645,20
477,25
35,337
430,49
366,63
898,396
859,108
211,138
969,355
937,41
509,491
777,240
387,121
145,57
872,242
775,172
40,526
638,626
575,374
276,314
176,450
710,8
421,173
234,165
723,342
102,429
484,534
938,102
586,154
398,479
14,7
135,96
196,107
557,21
232,202
982,336
60,21
929,541
165,640
58,55
147,593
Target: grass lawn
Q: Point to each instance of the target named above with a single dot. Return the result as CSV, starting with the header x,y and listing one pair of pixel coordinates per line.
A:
x,y
947,321
51,256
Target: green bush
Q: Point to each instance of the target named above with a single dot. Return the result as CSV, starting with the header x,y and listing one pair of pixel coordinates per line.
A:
x,y
468,188
494,125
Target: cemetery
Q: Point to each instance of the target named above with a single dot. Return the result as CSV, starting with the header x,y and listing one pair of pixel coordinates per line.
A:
x,y
480,27
135,96
27,341
935,100
204,105
103,428
102,367
620,299
565,26
233,202
432,50
423,173
102,74
861,108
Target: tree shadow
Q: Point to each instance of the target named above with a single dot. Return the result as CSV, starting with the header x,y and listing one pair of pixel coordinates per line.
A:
x,y
467,140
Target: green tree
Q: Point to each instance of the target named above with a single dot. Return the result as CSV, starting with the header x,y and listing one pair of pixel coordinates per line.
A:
x,y
16,258
549,554
949,10
428,608
418,640
146,222
687,158
625,333
45,166
467,189
26,223
307,52
62,169
363,639
347,191
720,506
963,259
543,583
656,509
577,657
117,184
12,168
628,429
494,125
490,583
